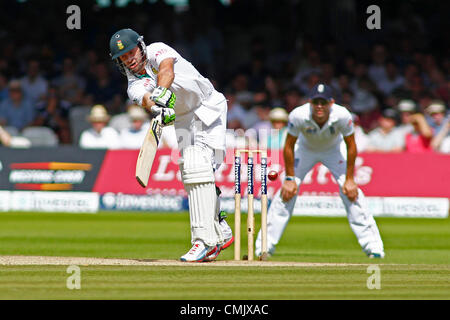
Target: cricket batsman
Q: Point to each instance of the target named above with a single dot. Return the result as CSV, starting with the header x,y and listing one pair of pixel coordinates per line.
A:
x,y
167,85
321,131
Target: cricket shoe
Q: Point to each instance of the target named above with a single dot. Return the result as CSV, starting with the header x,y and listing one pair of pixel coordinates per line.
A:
x,y
227,233
197,253
375,255
210,256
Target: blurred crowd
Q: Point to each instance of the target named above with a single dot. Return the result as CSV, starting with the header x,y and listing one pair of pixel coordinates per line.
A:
x,y
396,82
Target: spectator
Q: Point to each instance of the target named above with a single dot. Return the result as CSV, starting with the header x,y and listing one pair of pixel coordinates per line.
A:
x,y
361,138
436,115
5,137
364,101
346,99
3,87
309,65
260,111
392,80
377,70
132,138
441,142
344,83
8,140
16,111
257,73
239,83
272,85
312,79
236,114
279,119
53,112
100,136
328,75
365,104
386,138
71,85
360,72
102,89
33,84
292,99
420,139
424,101
406,108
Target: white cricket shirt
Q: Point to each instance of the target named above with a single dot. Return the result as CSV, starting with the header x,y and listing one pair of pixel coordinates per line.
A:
x,y
189,86
311,136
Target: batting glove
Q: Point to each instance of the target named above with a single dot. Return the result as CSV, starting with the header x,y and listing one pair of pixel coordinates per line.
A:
x,y
163,97
167,115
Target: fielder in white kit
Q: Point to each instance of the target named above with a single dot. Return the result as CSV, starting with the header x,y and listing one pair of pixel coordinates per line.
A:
x,y
167,85
321,131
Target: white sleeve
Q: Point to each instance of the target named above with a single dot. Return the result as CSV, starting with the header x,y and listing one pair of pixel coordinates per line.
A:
x,y
158,51
136,90
293,125
346,124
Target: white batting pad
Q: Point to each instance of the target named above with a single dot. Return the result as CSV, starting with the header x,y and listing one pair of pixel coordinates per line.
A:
x,y
202,209
198,178
197,165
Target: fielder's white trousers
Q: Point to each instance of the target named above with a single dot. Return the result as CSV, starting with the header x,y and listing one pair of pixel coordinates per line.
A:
x,y
361,221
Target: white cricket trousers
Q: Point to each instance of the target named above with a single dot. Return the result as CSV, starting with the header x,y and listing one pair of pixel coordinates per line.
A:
x,y
204,202
361,221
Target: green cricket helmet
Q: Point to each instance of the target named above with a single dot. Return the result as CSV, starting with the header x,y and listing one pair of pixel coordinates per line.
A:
x,y
124,41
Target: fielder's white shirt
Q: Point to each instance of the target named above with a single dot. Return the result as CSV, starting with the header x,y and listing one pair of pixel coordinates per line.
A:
x,y
193,91
311,136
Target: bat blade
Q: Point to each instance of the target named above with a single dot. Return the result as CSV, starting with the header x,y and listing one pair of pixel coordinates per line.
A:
x,y
148,151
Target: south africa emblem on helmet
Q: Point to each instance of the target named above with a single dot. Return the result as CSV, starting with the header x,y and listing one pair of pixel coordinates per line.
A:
x,y
120,44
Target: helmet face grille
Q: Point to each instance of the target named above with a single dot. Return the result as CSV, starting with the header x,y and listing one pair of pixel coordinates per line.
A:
x,y
121,66
143,59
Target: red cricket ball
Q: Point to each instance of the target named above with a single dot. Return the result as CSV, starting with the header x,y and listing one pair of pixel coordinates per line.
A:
x,y
273,175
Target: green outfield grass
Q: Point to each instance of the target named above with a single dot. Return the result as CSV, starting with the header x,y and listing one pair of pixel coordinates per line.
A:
x,y
416,266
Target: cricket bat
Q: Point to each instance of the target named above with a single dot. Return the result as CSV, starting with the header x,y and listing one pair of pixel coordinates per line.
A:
x,y
148,151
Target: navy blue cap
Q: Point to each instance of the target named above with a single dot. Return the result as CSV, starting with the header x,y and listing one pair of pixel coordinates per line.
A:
x,y
321,91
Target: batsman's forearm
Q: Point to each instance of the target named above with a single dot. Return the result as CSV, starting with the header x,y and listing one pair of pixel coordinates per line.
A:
x,y
165,77
165,80
147,103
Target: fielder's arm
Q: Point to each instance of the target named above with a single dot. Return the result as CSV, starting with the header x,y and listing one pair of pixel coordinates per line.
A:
x,y
288,153
289,187
350,189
